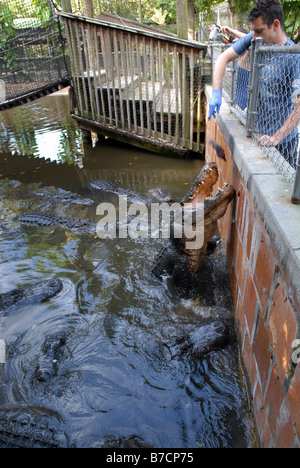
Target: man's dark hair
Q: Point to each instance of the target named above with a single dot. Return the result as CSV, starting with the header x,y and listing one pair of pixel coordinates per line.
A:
x,y
269,10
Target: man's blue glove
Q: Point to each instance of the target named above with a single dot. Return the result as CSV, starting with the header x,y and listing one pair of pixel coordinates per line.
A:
x,y
215,103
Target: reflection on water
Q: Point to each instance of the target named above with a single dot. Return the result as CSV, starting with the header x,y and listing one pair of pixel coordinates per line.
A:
x,y
44,129
110,376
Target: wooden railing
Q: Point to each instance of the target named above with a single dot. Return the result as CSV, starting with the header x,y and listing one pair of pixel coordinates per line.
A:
x,y
142,85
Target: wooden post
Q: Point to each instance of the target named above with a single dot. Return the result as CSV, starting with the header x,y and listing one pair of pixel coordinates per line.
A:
x,y
181,19
66,6
88,9
186,19
140,11
89,51
186,28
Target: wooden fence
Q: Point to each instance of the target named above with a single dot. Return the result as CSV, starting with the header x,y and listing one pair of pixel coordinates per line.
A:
x,y
142,87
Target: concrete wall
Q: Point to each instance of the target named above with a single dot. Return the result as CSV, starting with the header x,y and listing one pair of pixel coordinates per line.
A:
x,y
261,239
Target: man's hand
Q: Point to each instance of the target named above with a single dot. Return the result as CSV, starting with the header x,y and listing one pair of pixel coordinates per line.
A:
x,y
288,127
215,103
267,140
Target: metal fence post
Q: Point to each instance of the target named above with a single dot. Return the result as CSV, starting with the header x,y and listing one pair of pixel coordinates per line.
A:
x,y
233,81
253,85
296,190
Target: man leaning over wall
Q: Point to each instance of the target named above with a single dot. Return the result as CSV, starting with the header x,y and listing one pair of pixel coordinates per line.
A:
x,y
279,97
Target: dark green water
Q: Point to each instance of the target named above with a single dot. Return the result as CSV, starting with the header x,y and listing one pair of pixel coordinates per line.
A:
x,y
113,379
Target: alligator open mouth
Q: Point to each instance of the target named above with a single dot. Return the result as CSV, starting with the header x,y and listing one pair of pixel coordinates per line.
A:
x,y
176,259
202,191
203,186
215,206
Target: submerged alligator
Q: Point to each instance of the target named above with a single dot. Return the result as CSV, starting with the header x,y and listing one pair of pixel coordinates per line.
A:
x,y
30,427
22,425
199,342
133,441
157,194
37,427
39,293
72,224
52,353
48,362
59,195
176,259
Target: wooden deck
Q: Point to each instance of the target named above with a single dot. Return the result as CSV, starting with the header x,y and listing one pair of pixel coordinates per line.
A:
x,y
137,85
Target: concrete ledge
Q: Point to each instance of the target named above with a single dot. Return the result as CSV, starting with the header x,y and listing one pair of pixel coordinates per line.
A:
x,y
270,192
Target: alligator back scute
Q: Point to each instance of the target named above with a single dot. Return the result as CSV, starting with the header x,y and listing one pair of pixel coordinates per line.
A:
x,y
72,224
29,428
153,195
59,195
39,219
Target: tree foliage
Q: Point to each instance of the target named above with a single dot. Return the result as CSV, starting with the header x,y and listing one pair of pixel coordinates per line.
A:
x,y
292,18
8,31
169,9
238,9
165,10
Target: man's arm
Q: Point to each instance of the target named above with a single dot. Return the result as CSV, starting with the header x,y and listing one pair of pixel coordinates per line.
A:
x,y
220,67
289,125
233,32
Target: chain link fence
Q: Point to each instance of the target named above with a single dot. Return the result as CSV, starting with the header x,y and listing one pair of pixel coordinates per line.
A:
x,y
32,50
263,90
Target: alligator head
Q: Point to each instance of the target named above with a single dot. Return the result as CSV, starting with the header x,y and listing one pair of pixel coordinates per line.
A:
x,y
178,260
200,341
40,292
214,208
202,192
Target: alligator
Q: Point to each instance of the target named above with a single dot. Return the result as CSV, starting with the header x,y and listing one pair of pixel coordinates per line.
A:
x,y
39,293
175,259
39,219
63,196
31,427
157,194
27,426
72,224
52,353
198,342
133,441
